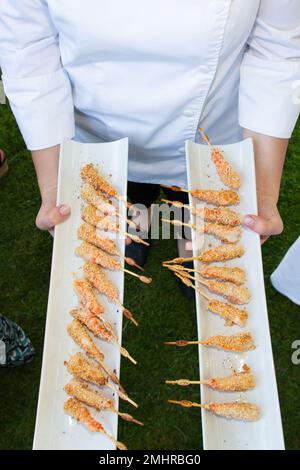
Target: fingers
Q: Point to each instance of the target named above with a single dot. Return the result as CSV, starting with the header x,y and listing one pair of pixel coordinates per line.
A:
x,y
127,241
47,217
264,226
189,246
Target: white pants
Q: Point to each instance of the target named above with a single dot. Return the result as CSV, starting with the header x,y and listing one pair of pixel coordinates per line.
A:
x,y
286,278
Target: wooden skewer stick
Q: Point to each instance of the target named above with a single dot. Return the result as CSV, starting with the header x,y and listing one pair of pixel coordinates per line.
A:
x,y
125,353
205,138
127,313
131,262
176,188
189,283
182,343
186,404
122,395
118,444
136,239
144,279
185,382
126,417
178,223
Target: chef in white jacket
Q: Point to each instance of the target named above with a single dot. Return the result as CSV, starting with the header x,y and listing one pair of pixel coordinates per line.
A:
x,y
153,71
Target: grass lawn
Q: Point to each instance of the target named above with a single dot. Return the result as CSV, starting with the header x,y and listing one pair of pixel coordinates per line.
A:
x,y
25,257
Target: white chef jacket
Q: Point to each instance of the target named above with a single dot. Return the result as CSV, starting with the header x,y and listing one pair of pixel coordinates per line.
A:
x,y
151,71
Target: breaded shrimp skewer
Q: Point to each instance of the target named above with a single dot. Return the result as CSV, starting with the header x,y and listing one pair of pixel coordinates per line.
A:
x,y
219,253
241,411
223,197
84,393
235,294
99,279
96,327
227,174
218,215
90,175
87,233
91,216
79,412
230,274
87,296
78,366
226,234
236,382
236,343
231,292
106,223
234,274
95,255
230,313
91,196
79,334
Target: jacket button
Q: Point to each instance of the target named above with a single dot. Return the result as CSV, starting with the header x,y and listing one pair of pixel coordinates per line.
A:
x,y
188,113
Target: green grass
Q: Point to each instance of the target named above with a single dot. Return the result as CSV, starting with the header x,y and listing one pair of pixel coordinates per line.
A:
x,y
25,257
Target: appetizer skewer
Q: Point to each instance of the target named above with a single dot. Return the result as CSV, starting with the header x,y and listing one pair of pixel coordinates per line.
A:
x,y
87,297
235,294
241,411
87,233
219,253
79,334
235,274
106,223
231,314
236,343
223,197
90,175
78,366
236,382
79,412
230,274
99,279
96,327
227,174
92,197
226,234
85,394
96,255
219,215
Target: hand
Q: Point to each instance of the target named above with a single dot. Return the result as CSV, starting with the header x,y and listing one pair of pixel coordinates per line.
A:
x,y
268,222
50,214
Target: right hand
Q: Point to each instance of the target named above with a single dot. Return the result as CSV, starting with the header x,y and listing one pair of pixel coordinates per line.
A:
x,y
50,214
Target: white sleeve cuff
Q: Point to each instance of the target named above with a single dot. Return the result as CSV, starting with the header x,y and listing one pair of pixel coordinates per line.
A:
x,y
43,107
269,97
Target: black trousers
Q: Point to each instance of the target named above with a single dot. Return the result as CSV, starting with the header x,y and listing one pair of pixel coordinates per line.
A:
x,y
146,193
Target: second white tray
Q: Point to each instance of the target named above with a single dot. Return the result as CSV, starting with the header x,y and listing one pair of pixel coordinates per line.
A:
x,y
219,433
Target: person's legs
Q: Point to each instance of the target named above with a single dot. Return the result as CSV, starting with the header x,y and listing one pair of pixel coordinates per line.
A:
x,y
140,194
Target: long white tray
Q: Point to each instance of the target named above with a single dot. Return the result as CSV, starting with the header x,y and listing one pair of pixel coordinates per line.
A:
x,y
54,429
219,433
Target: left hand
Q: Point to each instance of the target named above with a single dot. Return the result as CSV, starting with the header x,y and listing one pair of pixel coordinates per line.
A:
x,y
268,221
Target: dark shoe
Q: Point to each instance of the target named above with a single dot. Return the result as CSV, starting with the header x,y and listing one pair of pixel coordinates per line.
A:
x,y
138,252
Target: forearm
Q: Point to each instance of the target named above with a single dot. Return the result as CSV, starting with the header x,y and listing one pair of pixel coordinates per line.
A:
x,y
46,167
269,160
